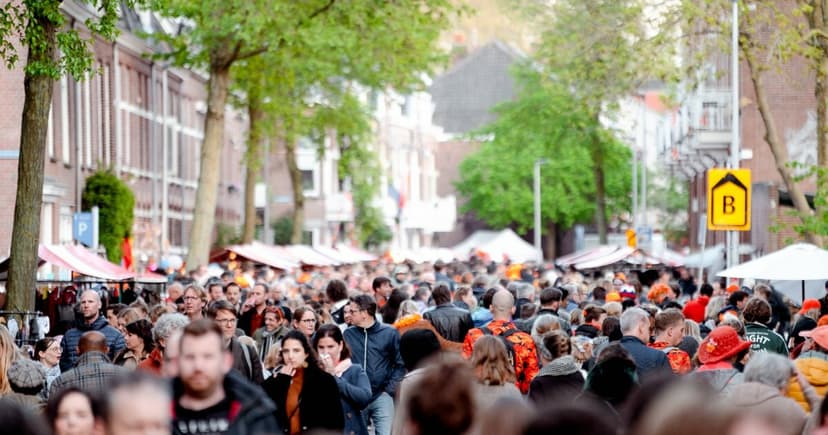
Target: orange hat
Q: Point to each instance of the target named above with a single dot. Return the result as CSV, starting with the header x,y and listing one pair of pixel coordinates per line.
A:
x,y
721,344
732,288
621,276
820,335
616,297
809,304
823,321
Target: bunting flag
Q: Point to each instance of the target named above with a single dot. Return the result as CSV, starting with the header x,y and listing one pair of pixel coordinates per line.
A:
x,y
126,253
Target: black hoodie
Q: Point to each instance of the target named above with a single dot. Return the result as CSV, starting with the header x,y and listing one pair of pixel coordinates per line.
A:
x,y
252,412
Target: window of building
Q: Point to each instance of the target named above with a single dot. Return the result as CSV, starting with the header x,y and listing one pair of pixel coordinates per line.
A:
x,y
65,143
65,228
406,106
50,132
47,215
308,181
87,122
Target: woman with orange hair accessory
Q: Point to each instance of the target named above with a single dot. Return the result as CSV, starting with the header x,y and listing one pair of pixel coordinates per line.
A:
x,y
658,292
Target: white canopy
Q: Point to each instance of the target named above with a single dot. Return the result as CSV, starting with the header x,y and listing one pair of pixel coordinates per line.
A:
x,y
799,262
498,245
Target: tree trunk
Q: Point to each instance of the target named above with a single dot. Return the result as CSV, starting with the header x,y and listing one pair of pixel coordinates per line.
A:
x,y
600,189
778,148
22,274
298,191
252,166
551,241
821,93
204,211
817,22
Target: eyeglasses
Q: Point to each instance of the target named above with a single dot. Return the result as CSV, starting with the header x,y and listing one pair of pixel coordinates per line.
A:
x,y
225,321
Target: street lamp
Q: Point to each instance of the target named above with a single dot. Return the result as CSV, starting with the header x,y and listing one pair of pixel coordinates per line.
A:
x,y
538,250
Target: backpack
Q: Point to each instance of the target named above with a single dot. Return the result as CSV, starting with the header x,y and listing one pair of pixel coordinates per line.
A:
x,y
510,347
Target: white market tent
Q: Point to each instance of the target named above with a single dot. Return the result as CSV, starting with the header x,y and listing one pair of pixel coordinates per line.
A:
x,y
799,262
498,245
599,257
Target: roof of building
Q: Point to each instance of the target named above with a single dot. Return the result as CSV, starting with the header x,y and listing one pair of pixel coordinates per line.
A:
x,y
465,95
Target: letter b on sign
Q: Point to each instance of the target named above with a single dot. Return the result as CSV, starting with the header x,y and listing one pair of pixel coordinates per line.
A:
x,y
728,199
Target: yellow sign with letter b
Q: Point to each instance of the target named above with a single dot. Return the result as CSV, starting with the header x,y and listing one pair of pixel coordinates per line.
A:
x,y
728,199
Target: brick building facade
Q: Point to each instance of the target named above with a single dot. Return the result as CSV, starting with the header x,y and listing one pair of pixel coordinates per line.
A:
x,y
142,118
701,136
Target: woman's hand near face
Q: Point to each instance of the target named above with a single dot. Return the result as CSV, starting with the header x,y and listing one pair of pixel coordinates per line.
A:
x,y
327,362
288,369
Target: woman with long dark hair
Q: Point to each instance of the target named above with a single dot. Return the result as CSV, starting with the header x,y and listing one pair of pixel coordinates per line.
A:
x,y
354,385
306,397
139,344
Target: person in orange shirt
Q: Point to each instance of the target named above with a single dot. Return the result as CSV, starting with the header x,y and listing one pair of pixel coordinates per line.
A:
x,y
520,345
669,330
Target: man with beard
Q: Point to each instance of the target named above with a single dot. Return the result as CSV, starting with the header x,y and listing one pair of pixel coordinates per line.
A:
x,y
90,305
209,397
252,311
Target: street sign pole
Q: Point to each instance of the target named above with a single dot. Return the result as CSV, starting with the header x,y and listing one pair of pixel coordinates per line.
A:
x,y
735,145
537,195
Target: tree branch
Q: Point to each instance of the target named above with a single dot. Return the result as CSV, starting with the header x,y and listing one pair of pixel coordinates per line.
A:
x,y
321,10
252,53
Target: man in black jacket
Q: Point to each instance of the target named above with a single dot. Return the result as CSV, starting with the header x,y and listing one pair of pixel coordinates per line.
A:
x,y
208,394
376,347
635,325
450,321
550,302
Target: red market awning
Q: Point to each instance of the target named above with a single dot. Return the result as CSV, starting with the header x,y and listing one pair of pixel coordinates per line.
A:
x,y
79,259
306,255
259,253
355,254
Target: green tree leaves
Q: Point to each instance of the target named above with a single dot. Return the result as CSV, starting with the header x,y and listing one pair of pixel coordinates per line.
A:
x,y
115,202
544,122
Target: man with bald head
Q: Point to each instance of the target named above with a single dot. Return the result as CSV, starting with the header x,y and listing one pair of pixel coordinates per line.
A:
x,y
90,307
94,371
519,345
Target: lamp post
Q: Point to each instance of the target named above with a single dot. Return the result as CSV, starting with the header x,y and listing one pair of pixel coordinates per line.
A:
x,y
538,249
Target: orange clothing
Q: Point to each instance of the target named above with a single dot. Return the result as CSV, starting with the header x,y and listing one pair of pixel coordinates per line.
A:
x,y
814,366
416,321
526,356
679,359
152,364
292,403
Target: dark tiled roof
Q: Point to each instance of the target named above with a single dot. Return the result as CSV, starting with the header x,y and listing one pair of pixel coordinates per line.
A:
x,y
466,94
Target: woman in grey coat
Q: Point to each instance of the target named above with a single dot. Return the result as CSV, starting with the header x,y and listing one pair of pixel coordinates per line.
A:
x,y
353,383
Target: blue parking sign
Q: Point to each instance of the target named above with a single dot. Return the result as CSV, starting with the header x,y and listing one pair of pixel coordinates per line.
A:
x,y
85,228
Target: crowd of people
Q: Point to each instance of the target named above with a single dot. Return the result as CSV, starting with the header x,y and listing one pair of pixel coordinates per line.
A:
x,y
459,348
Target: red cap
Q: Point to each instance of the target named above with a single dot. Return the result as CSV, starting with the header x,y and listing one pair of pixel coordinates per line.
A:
x,y
722,343
809,304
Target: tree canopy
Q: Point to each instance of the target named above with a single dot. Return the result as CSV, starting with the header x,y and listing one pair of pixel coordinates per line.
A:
x,y
116,204
545,122
328,63
309,47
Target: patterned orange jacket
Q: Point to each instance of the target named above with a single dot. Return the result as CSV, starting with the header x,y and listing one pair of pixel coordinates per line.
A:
x,y
679,359
526,357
